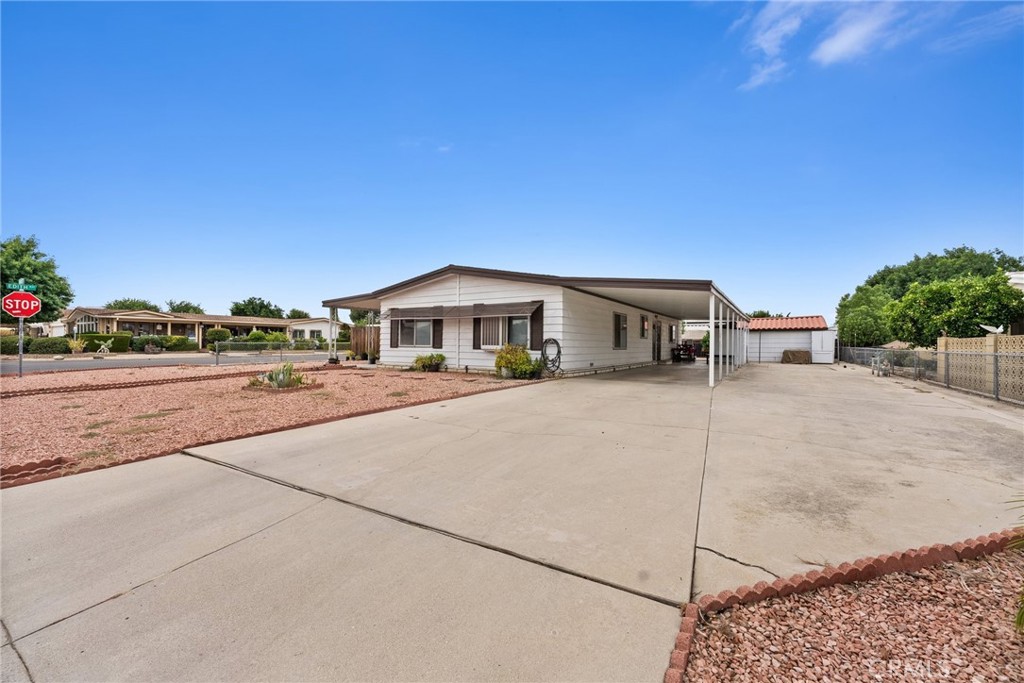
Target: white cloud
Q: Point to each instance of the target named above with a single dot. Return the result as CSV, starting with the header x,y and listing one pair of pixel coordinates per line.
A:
x,y
770,30
444,149
763,74
982,29
856,32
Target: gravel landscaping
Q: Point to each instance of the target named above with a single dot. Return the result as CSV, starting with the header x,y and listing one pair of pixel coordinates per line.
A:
x,y
951,622
112,425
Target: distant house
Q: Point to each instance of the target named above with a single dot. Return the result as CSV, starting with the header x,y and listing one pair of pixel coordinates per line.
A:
x,y
769,337
193,326
580,324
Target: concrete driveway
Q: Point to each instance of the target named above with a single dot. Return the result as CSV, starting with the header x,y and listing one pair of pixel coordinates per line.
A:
x,y
542,533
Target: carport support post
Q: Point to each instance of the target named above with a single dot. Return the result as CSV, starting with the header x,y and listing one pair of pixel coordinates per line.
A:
x,y
711,340
721,342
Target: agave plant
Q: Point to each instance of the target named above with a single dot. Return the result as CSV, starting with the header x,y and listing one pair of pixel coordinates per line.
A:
x,y
281,377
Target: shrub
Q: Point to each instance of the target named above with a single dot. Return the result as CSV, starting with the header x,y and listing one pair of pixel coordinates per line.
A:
x,y
9,345
257,336
217,334
301,345
516,359
122,340
281,377
179,343
48,346
277,337
139,344
431,362
76,345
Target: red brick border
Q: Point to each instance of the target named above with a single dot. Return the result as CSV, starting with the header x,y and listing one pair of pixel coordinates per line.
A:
x,y
864,569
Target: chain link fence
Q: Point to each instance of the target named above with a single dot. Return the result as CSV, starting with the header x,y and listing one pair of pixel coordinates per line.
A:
x,y
996,375
235,352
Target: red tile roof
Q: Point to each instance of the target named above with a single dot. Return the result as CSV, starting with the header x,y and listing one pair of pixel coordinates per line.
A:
x,y
796,322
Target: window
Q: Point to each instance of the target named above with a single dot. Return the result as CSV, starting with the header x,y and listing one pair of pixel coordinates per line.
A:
x,y
299,334
316,334
518,331
414,332
86,323
643,326
618,330
499,330
671,333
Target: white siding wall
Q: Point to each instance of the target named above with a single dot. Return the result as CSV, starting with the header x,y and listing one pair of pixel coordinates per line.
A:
x,y
773,343
323,325
466,290
587,336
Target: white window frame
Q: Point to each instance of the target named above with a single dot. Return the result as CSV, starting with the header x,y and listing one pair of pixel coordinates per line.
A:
x,y
416,322
298,334
316,334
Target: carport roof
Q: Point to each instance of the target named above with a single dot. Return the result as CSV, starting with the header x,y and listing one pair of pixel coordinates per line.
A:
x,y
675,299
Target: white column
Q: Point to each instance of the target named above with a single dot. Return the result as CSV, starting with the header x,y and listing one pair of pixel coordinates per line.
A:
x,y
711,340
728,348
721,341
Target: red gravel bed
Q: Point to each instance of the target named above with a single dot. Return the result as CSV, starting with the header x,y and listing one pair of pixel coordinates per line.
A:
x,y
950,622
100,427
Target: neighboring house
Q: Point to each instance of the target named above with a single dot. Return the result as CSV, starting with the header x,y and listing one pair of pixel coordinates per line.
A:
x,y
769,337
193,326
309,328
586,324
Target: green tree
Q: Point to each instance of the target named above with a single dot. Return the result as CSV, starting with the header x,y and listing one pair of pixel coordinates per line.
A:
x,y
860,317
952,263
184,307
131,305
256,308
764,313
298,313
955,308
20,258
362,317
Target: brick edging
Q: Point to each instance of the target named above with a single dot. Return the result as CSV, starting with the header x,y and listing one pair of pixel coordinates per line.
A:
x,y
864,569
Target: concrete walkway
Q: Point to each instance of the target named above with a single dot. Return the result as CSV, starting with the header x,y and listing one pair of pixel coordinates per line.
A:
x,y
541,533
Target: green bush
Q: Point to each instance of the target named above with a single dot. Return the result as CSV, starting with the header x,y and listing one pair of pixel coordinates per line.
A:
x,y
281,377
274,337
217,334
47,346
122,340
430,362
302,345
516,359
138,344
179,343
257,336
9,344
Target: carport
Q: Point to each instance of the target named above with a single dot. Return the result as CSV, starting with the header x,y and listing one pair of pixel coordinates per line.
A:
x,y
603,323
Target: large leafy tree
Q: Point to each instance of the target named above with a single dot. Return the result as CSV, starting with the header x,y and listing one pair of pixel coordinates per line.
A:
x,y
20,257
257,308
952,263
298,313
955,308
184,307
764,313
860,317
132,305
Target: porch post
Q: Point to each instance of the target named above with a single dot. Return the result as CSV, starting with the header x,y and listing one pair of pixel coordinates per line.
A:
x,y
721,345
711,340
729,349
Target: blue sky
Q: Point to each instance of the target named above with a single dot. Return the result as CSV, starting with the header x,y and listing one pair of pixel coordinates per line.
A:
x,y
297,152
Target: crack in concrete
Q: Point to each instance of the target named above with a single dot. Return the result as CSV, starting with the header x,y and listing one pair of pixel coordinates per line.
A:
x,y
443,532
166,573
10,641
700,492
733,559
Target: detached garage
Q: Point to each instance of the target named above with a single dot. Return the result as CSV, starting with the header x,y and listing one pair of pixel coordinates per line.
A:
x,y
769,337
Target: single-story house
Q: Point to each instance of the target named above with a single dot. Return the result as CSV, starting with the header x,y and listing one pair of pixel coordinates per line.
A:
x,y
578,324
191,325
769,337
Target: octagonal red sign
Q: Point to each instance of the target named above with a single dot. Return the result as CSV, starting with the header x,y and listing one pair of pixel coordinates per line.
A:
x,y
22,304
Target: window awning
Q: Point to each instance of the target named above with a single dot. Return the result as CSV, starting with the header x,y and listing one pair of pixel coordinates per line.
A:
x,y
472,311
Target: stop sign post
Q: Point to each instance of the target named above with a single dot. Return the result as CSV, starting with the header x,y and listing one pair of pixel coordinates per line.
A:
x,y
21,305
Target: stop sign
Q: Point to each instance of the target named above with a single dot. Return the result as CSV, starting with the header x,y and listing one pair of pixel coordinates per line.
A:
x,y
22,304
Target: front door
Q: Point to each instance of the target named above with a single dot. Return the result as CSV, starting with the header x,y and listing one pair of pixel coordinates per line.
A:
x,y
656,342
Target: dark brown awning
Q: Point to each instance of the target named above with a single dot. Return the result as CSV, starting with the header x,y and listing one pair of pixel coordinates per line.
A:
x,y
473,311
